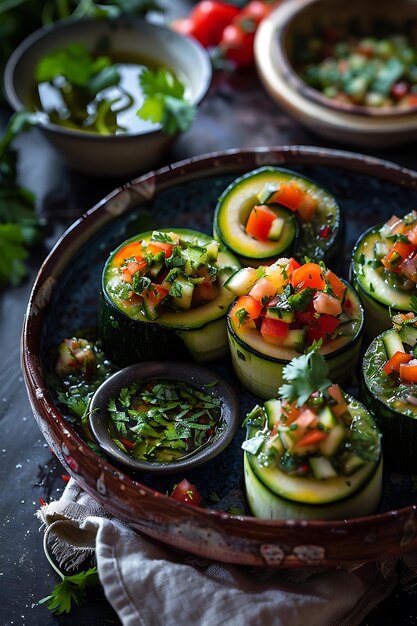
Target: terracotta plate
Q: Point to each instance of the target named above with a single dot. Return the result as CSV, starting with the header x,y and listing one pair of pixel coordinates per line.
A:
x,y
65,299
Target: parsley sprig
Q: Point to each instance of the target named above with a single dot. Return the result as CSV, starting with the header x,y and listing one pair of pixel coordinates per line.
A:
x,y
71,589
305,375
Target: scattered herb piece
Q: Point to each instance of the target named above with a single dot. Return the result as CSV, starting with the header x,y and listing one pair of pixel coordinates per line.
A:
x,y
305,375
165,102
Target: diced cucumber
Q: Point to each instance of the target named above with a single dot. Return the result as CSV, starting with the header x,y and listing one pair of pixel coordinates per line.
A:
x,y
182,293
154,270
278,313
276,229
151,308
267,191
352,463
275,444
408,334
295,340
336,436
392,342
321,467
327,418
288,437
241,282
380,249
273,410
212,249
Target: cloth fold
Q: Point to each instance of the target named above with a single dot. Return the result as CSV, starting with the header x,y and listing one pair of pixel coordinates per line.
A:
x,y
149,584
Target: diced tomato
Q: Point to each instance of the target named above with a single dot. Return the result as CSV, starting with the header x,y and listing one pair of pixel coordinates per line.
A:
x,y
308,275
328,323
411,234
294,198
341,405
126,275
186,492
408,371
314,333
394,363
311,438
293,265
274,331
154,247
337,285
304,317
263,288
259,222
326,304
306,418
251,308
156,293
130,250
399,252
290,411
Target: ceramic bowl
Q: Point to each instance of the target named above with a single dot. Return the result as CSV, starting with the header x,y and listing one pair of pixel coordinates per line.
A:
x,y
65,298
346,123
193,375
125,154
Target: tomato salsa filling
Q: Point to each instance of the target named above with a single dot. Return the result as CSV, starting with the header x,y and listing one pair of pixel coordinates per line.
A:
x,y
292,305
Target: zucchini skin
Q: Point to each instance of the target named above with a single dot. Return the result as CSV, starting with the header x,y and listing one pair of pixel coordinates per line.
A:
x,y
378,309
332,246
127,341
261,374
398,429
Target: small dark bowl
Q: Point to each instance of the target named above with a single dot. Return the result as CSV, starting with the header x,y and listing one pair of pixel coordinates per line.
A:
x,y
197,377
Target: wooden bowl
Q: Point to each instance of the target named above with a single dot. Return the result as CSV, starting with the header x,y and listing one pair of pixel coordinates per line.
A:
x,y
63,299
343,122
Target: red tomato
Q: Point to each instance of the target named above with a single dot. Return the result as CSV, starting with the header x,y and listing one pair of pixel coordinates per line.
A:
x,y
328,323
274,331
257,10
250,308
236,44
187,493
308,275
207,21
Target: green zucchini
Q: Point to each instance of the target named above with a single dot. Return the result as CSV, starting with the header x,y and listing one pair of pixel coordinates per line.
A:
x,y
320,238
381,294
258,364
341,481
392,402
131,332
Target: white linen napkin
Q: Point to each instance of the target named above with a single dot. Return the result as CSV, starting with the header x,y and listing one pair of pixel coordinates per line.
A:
x,y
149,583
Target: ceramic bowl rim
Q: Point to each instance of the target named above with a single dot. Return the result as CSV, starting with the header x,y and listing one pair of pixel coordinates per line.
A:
x,y
282,18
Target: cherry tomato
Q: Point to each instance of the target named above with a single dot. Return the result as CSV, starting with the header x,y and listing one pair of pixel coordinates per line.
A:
x,y
207,21
186,492
257,10
237,44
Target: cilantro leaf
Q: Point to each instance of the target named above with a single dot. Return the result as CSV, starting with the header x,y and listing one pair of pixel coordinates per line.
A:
x,y
300,301
71,589
413,304
305,375
165,102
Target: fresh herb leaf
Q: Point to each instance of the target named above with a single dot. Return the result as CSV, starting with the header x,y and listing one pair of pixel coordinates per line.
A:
x,y
165,102
71,589
413,304
305,375
300,301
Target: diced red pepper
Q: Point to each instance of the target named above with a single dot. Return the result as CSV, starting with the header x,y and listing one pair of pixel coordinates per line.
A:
x,y
337,285
399,252
308,275
154,247
250,306
129,250
408,371
259,222
393,364
311,438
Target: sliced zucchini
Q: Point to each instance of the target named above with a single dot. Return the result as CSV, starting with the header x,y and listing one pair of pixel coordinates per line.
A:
x,y
129,336
380,298
344,484
394,406
261,186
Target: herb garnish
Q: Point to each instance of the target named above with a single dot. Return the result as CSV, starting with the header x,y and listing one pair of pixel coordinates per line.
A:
x,y
305,375
161,421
